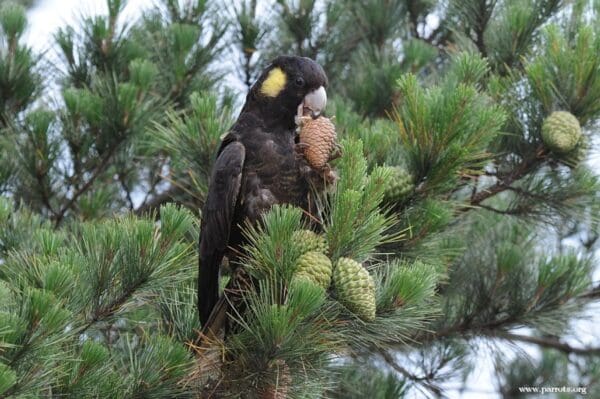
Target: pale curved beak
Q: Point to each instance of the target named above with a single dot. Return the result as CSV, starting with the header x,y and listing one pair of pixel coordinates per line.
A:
x,y
314,103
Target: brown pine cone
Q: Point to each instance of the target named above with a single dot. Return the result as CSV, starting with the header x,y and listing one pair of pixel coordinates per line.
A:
x,y
318,136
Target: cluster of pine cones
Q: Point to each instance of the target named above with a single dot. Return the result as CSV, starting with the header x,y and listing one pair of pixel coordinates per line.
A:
x,y
352,284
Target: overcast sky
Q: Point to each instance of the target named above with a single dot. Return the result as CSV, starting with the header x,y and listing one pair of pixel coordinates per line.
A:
x,y
45,18
47,15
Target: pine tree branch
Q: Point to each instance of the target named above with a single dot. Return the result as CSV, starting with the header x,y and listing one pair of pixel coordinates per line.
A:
x,y
154,182
526,193
504,183
594,293
126,190
495,328
44,192
177,89
479,41
414,20
114,306
546,342
153,204
425,380
100,168
467,328
512,212
484,14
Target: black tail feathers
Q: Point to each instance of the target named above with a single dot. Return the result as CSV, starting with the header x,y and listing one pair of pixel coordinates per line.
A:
x,y
208,285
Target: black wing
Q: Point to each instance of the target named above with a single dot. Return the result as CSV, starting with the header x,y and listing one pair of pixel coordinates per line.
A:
x,y
217,218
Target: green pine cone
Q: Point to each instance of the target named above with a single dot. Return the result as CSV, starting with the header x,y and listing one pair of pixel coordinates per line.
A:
x,y
400,185
315,267
575,157
355,288
307,240
561,132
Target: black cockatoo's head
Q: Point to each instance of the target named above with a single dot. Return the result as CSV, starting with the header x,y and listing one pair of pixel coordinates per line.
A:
x,y
288,86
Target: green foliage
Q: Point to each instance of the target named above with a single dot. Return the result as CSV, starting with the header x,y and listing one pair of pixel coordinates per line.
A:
x,y
406,284
374,91
155,368
469,69
37,153
271,252
17,227
444,131
566,74
25,3
189,141
88,373
563,198
35,327
524,286
182,45
19,78
13,21
8,378
359,380
292,330
297,19
51,337
379,136
511,34
249,31
503,31
178,312
117,80
551,370
143,73
355,224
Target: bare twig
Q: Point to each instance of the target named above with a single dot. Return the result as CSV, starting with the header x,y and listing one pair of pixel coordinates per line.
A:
x,y
547,342
44,192
594,293
424,380
126,189
505,183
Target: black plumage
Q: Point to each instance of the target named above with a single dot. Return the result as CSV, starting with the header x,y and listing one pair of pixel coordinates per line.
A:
x,y
257,166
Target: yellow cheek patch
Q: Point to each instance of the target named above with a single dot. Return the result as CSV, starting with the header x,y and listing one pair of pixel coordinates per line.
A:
x,y
274,83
